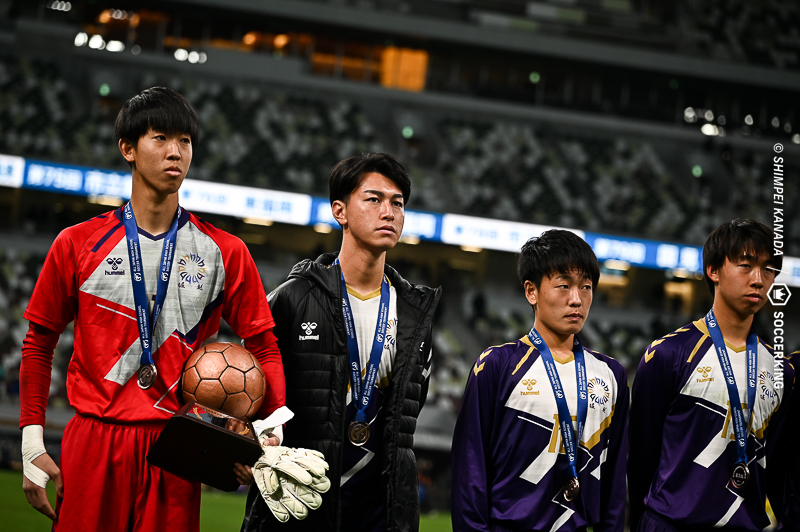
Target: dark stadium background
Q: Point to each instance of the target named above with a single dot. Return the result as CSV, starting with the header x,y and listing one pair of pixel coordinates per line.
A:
x,y
636,120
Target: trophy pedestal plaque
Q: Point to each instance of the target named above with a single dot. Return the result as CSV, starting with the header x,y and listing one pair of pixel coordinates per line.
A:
x,y
202,444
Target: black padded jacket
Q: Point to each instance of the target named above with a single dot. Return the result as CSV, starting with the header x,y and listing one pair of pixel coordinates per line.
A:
x,y
316,368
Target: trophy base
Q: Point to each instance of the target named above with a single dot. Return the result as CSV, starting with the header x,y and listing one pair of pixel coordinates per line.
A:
x,y
202,444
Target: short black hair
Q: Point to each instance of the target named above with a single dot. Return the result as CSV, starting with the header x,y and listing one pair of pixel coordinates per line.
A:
x,y
556,251
347,175
737,238
157,108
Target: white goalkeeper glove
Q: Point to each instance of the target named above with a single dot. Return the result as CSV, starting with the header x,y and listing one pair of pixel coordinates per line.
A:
x,y
291,480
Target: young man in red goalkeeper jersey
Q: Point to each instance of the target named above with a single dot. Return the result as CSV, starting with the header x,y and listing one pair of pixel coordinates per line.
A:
x,y
146,285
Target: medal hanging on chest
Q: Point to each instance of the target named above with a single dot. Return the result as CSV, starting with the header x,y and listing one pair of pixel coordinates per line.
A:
x,y
740,474
147,374
570,438
359,430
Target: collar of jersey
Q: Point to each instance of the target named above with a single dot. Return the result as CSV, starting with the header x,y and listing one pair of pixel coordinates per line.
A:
x,y
701,326
527,341
365,297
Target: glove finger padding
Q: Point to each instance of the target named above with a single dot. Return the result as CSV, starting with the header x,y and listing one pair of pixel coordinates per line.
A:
x,y
315,465
292,501
291,480
266,478
321,484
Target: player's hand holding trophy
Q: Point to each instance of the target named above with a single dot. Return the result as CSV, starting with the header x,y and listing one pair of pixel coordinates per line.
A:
x,y
223,387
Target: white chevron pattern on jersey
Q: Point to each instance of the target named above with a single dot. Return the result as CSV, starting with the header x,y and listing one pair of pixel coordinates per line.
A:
x,y
708,383
197,278
543,406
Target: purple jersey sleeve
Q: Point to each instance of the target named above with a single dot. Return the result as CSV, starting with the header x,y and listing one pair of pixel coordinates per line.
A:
x,y
651,395
612,494
470,453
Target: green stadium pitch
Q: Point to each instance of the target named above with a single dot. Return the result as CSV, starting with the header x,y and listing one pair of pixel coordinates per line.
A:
x,y
219,511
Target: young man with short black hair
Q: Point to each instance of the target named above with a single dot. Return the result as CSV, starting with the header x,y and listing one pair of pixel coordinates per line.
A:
x,y
146,285
355,338
706,410
516,463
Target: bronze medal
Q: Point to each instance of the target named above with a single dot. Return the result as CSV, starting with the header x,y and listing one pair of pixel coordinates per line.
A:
x,y
358,433
740,475
146,376
571,489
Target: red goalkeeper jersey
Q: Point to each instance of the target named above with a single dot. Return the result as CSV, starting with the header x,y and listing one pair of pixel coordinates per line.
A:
x,y
86,278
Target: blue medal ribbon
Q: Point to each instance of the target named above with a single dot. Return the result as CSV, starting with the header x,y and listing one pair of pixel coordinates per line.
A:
x,y
569,437
740,429
146,325
362,395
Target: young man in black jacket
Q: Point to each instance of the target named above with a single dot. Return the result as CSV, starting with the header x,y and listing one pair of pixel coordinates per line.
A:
x,y
355,338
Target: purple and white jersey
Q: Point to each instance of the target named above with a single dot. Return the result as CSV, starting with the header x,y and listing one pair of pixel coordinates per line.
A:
x,y
681,438
509,466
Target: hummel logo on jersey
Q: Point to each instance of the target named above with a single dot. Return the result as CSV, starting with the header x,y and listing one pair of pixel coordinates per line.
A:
x,y
308,327
529,383
705,370
114,262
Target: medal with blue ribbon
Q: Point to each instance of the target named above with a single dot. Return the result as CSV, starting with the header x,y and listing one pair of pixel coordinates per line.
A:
x,y
571,439
741,474
359,431
147,373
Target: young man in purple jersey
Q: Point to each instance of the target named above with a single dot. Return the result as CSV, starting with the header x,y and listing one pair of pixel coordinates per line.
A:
x,y
706,406
515,465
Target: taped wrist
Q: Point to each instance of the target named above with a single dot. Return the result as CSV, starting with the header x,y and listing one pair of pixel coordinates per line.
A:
x,y
32,448
272,424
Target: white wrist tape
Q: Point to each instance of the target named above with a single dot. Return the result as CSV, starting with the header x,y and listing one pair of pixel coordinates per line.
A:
x,y
273,423
32,448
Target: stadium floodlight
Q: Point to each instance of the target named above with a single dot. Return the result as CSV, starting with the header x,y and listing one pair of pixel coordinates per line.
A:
x,y
60,6
322,228
709,129
709,115
690,115
203,58
181,54
410,239
115,46
193,57
748,120
81,39
97,42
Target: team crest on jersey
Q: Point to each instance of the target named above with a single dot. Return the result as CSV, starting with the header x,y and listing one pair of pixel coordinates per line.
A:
x,y
766,387
599,393
192,271
114,262
705,371
529,384
391,326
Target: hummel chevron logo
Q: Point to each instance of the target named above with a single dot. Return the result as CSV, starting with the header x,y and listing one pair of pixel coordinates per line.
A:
x,y
308,327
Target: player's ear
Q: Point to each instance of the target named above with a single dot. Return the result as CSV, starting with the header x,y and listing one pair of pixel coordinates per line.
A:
x,y
712,273
127,149
531,292
339,209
